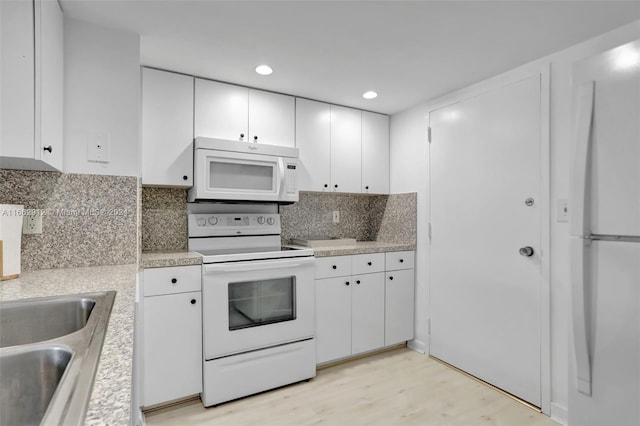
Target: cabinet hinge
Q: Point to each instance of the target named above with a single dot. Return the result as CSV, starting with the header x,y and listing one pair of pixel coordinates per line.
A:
x,y
429,134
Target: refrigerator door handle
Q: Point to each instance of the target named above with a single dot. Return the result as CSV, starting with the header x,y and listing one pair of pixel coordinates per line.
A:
x,y
579,310
582,154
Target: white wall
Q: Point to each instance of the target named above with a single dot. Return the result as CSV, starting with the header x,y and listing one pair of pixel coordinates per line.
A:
x,y
409,172
101,95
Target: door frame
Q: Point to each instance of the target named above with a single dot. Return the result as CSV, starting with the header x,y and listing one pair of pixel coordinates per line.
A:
x,y
543,70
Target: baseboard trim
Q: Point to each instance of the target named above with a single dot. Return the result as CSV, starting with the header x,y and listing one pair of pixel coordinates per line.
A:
x,y
559,414
359,356
138,418
417,346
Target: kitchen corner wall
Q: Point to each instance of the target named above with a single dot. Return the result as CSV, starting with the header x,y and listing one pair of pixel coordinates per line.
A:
x,y
88,220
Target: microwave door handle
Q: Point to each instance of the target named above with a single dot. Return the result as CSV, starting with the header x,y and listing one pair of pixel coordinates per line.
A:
x,y
281,182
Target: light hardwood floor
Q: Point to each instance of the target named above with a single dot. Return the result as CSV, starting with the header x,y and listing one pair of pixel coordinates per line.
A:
x,y
391,388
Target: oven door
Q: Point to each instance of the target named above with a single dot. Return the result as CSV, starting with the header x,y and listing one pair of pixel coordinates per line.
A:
x,y
257,304
223,175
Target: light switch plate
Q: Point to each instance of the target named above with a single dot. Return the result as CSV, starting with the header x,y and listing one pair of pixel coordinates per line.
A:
x,y
98,147
562,210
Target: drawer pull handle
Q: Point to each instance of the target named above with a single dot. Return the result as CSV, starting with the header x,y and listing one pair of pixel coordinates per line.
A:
x,y
193,301
401,260
369,263
174,280
334,267
346,283
358,282
391,278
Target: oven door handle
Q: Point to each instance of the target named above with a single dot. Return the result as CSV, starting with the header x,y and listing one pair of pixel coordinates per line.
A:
x,y
254,266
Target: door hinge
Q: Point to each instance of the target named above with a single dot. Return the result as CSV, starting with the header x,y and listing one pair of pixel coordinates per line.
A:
x,y
429,134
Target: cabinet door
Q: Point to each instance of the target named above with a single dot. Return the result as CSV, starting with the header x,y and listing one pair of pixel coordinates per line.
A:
x,y
271,118
17,79
49,36
375,153
367,312
313,139
399,306
345,149
333,318
221,111
167,128
172,363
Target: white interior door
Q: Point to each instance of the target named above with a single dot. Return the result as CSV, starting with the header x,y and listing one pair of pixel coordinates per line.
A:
x,y
484,295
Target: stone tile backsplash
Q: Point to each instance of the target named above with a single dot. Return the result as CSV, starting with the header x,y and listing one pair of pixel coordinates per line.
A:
x,y
91,220
164,219
88,220
389,218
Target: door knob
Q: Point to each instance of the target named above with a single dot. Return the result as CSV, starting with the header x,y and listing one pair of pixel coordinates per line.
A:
x,y
526,251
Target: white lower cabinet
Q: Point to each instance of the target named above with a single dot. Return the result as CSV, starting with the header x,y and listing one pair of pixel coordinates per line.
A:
x,y
398,306
367,312
361,312
172,334
399,297
333,319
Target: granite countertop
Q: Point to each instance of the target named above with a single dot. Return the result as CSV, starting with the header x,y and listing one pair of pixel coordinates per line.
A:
x,y
361,247
161,259
110,401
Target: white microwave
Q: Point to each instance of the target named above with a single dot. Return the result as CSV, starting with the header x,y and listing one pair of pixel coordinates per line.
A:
x,y
226,170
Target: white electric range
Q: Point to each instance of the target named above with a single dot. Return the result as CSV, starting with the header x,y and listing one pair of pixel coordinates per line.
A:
x,y
258,305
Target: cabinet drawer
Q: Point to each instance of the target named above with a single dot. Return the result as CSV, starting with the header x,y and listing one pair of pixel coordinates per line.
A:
x,y
328,267
399,260
177,279
367,263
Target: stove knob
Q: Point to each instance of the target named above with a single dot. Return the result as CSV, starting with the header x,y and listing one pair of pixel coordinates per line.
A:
x,y
213,220
201,221
270,221
260,220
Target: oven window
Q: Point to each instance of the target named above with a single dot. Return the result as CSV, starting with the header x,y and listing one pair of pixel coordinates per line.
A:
x,y
243,176
255,303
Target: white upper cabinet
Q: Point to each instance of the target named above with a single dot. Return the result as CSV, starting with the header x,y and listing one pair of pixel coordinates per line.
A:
x,y
342,149
226,111
221,111
346,135
31,85
167,128
313,138
375,153
271,118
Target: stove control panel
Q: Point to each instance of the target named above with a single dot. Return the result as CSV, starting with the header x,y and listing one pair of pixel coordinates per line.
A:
x,y
219,224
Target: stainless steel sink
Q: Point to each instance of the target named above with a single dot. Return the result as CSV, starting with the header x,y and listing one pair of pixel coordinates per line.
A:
x,y
49,353
30,321
28,380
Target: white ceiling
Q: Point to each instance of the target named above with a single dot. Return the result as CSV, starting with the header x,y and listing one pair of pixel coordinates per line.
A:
x,y
336,50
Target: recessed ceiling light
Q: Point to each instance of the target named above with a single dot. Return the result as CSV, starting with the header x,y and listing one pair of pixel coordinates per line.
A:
x,y
264,69
369,95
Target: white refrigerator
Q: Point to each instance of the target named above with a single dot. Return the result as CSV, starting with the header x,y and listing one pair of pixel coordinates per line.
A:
x,y
604,373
